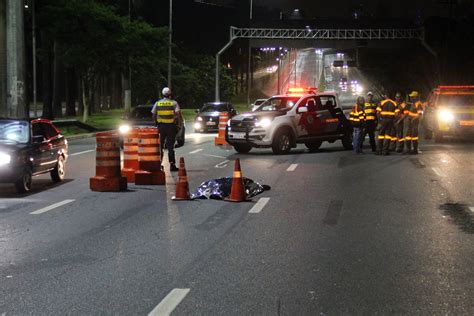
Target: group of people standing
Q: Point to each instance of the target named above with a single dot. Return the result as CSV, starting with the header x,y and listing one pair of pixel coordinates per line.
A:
x,y
396,121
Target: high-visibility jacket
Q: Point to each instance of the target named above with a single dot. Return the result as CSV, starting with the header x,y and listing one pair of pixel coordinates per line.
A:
x,y
165,112
370,111
357,116
414,110
388,109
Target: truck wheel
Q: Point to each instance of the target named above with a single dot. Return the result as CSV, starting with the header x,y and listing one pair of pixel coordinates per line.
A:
x,y
23,185
242,148
439,138
59,172
347,141
281,142
314,145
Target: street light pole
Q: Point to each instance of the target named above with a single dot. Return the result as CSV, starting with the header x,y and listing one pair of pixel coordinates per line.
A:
x,y
170,42
33,33
249,68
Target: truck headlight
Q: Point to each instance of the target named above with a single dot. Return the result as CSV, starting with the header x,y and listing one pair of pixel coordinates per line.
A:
x,y
125,128
446,116
264,123
197,125
5,159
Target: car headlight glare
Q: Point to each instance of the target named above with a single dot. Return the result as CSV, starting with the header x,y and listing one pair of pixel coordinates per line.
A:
x,y
264,123
197,125
124,129
5,159
446,116
199,119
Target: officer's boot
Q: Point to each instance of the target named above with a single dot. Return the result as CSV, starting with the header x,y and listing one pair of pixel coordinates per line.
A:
x,y
415,148
400,146
379,147
408,147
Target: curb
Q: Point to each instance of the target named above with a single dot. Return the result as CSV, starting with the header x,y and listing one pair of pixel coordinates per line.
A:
x,y
87,135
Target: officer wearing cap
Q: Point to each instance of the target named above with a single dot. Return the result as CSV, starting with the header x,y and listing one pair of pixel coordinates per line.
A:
x,y
413,112
370,111
167,115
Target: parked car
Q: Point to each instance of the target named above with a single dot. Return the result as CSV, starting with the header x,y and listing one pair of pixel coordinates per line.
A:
x,y
141,116
207,117
29,148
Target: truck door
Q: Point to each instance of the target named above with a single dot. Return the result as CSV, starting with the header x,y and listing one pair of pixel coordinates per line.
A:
x,y
331,121
309,120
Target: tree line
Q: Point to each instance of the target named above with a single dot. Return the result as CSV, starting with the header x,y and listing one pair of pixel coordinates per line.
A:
x,y
86,49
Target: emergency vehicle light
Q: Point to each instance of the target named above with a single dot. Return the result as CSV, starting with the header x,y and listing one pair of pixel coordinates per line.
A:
x,y
456,87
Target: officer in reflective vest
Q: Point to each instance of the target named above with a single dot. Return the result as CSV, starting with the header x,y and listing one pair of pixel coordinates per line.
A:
x,y
386,112
370,111
398,138
167,114
357,118
413,112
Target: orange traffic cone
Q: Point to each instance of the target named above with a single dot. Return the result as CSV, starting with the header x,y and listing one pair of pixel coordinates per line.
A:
x,y
182,186
237,191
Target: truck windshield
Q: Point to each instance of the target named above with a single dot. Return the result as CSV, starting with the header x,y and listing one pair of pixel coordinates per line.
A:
x,y
456,99
278,104
14,131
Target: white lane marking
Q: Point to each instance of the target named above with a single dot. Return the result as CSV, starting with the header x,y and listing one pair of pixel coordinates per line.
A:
x,y
438,172
222,164
292,167
471,208
215,156
51,207
257,208
169,303
195,151
82,152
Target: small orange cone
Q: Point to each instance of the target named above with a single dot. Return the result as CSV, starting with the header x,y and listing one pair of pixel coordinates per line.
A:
x,y
182,186
237,191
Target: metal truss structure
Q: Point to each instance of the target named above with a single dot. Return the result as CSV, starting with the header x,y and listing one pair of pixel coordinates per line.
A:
x,y
327,34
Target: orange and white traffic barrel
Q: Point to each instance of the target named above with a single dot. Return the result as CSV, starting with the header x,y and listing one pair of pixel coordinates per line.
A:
x,y
108,177
149,159
130,155
220,139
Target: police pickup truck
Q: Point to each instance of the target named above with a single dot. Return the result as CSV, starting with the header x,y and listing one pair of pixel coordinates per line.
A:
x,y
301,116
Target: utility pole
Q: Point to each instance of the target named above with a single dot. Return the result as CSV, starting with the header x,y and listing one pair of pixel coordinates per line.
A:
x,y
249,66
127,80
15,60
170,43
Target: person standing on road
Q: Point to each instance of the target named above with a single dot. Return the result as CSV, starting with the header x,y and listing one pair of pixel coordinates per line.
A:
x,y
370,111
167,115
386,114
414,112
398,142
357,118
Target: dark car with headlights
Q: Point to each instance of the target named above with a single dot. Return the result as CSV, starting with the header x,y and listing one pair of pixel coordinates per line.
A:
x,y
29,148
207,118
141,116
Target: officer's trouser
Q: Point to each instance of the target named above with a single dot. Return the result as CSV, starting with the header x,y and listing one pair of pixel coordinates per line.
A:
x,y
384,138
370,127
400,134
412,135
168,138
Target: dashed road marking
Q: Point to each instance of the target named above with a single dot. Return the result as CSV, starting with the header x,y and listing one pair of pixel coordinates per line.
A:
x,y
51,207
222,164
292,167
257,208
438,172
196,151
82,152
169,303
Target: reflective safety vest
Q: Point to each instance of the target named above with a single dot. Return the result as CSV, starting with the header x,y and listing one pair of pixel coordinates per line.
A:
x,y
414,110
357,116
165,111
387,109
370,110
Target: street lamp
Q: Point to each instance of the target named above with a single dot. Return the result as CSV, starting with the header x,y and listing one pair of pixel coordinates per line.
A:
x,y
170,42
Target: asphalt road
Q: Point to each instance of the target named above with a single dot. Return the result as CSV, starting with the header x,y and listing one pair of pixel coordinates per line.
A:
x,y
339,234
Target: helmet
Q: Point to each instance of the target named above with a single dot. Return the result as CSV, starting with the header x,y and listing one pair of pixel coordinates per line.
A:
x,y
370,93
414,94
166,92
398,95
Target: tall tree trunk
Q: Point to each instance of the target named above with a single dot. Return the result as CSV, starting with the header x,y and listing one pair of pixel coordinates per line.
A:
x,y
70,92
57,82
85,114
116,91
47,85
80,91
